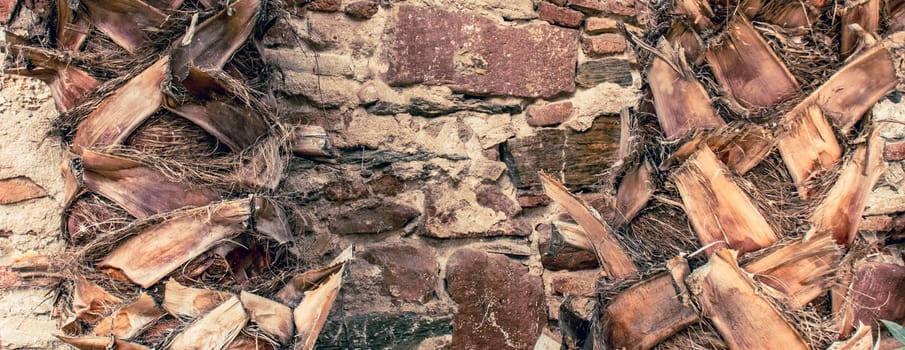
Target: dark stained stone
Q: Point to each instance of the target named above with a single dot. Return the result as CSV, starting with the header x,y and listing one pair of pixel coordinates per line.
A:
x,y
584,156
344,190
387,185
362,9
382,330
559,15
325,5
375,218
474,55
490,196
409,273
500,305
606,70
549,114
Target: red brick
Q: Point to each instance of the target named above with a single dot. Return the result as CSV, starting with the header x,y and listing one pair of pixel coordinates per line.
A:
x,y
597,25
895,151
549,114
877,223
604,44
616,7
325,5
362,9
559,15
531,201
485,284
576,284
475,55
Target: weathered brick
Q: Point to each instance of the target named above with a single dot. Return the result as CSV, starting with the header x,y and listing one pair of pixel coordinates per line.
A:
x,y
409,273
493,289
377,218
576,283
603,44
362,9
597,25
549,114
559,15
616,7
531,201
895,151
474,55
876,223
325,5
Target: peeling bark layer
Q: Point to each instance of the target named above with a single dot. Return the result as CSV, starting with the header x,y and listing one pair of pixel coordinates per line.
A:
x,y
681,102
124,21
742,317
611,255
799,272
634,192
877,292
121,113
216,39
717,208
865,14
216,329
649,312
840,213
807,145
159,249
748,69
138,189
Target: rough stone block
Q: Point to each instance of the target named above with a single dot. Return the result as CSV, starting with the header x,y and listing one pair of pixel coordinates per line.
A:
x,y
362,9
409,273
325,5
500,305
549,114
474,55
375,218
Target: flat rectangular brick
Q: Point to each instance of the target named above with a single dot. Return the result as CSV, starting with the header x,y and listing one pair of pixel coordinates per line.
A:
x,y
616,7
597,25
603,44
559,15
474,55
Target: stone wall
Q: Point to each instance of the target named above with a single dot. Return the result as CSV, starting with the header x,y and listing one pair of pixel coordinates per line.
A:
x,y
441,113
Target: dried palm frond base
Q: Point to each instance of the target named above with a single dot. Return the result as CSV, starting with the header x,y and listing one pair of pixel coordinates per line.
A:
x,y
171,162
743,231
